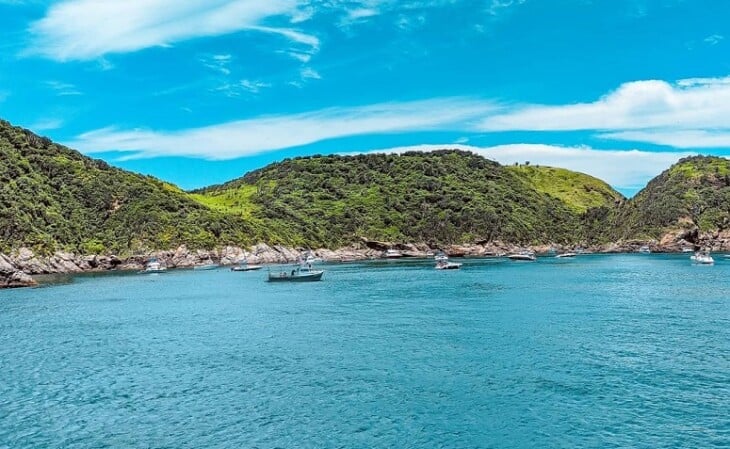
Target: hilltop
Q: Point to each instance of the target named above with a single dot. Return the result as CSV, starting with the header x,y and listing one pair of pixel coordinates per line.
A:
x,y
440,197
690,198
53,198
578,191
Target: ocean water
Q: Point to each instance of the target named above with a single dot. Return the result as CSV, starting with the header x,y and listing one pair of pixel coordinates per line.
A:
x,y
594,352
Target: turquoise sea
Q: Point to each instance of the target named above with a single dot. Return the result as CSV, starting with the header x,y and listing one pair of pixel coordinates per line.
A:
x,y
629,351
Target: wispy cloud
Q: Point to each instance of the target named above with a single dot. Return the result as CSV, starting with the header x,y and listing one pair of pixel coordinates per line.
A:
x,y
627,170
309,73
497,7
689,113
254,86
63,89
88,29
714,39
218,63
47,124
246,137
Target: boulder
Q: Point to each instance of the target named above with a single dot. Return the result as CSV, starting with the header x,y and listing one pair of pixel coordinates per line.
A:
x,y
16,279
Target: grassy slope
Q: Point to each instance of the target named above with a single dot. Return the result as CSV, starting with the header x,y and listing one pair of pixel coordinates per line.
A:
x,y
578,191
54,198
440,197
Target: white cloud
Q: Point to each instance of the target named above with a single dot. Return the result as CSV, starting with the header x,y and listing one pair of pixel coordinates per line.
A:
x,y
690,113
621,169
677,139
308,73
498,6
47,124
88,29
714,39
254,86
63,89
689,104
218,63
246,137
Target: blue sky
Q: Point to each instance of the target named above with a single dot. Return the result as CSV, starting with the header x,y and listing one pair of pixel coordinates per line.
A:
x,y
201,91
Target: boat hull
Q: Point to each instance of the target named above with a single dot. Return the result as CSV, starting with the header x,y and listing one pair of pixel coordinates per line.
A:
x,y
205,267
449,266
162,270
521,257
301,277
251,268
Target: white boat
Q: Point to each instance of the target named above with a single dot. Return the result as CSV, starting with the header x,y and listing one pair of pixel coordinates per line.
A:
x,y
560,256
525,256
392,254
645,249
687,250
245,266
446,265
309,258
206,266
702,258
440,257
153,266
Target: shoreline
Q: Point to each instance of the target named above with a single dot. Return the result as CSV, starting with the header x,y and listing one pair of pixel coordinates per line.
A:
x,y
18,268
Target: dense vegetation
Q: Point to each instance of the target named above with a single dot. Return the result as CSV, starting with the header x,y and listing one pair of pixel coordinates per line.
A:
x,y
440,197
692,194
53,198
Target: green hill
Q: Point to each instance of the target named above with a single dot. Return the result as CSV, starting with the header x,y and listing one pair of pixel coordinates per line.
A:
x,y
53,198
692,194
578,191
438,197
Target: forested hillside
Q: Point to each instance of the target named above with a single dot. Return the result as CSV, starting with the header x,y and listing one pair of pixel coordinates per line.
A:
x,y
437,197
692,194
53,198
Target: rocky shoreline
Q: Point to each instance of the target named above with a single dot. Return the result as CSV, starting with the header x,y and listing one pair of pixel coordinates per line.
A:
x,y
18,268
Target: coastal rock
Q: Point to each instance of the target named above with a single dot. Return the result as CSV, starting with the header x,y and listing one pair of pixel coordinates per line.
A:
x,y
25,260
231,255
15,279
5,265
62,262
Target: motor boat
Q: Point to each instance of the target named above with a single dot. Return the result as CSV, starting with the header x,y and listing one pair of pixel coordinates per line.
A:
x,y
153,266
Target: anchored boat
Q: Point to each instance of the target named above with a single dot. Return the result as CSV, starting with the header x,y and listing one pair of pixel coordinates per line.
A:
x,y
299,273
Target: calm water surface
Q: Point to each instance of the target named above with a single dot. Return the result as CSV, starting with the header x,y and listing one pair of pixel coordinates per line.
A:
x,y
599,352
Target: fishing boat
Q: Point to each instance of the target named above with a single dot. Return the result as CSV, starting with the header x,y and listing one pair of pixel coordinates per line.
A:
x,y
245,266
206,266
297,274
153,266
522,256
